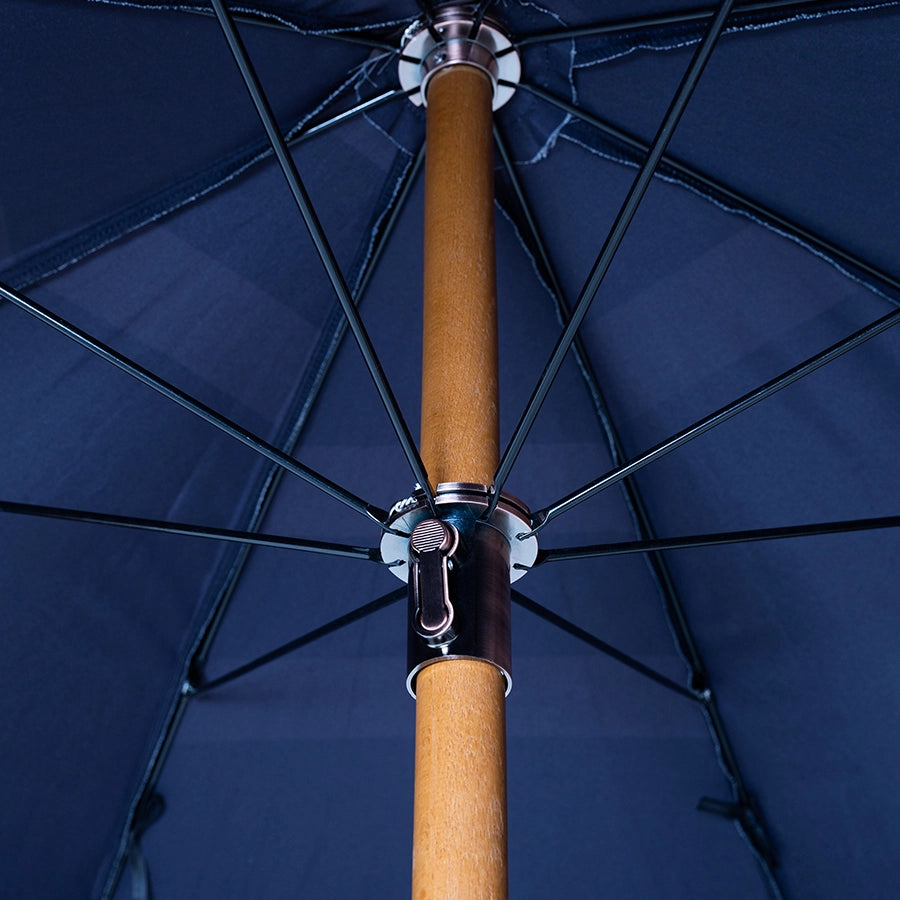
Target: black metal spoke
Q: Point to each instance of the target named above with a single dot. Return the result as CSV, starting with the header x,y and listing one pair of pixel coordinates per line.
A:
x,y
322,631
672,605
194,406
356,37
478,18
660,20
329,349
598,644
541,517
715,539
610,247
428,17
634,499
701,693
312,129
323,248
203,531
769,216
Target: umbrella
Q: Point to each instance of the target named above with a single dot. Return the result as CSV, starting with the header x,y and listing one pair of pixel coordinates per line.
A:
x,y
704,652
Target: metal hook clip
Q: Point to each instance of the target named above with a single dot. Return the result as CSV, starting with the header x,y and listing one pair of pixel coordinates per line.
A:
x,y
431,548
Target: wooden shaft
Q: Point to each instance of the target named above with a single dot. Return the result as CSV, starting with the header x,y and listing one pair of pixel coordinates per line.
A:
x,y
460,431
459,827
459,823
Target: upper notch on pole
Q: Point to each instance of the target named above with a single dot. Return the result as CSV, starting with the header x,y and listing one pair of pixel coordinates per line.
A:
x,y
455,36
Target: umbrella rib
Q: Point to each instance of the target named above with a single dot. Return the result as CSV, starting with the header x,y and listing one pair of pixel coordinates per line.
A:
x,y
341,117
672,605
772,218
348,37
610,246
701,694
652,22
593,641
331,627
428,15
478,18
181,528
541,517
714,539
326,254
635,502
547,270
194,406
383,235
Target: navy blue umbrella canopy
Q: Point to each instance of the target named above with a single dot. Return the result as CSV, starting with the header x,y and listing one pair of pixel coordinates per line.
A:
x,y
705,697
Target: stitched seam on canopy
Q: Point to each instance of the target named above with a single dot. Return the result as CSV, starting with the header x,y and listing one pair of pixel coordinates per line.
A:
x,y
685,35
74,249
95,237
335,28
553,137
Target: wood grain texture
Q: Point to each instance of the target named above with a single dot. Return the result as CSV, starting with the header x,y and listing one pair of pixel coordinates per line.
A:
x,y
460,430
459,823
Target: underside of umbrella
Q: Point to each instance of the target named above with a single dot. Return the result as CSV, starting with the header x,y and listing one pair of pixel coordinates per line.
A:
x,y
212,374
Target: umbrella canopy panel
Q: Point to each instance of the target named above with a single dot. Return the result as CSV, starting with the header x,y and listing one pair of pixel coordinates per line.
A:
x,y
138,202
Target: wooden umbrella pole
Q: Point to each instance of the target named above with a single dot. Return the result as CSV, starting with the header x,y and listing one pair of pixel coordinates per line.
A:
x,y
460,425
459,829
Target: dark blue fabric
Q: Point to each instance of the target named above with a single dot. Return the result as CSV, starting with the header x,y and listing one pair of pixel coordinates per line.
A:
x,y
136,200
114,146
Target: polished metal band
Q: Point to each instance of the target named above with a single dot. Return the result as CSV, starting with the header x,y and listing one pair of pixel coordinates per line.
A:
x,y
486,556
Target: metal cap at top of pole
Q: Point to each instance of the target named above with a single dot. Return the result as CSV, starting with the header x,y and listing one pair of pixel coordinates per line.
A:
x,y
452,38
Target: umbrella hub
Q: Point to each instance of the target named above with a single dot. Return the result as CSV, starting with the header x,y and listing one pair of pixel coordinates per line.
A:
x,y
456,37
461,505
459,566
